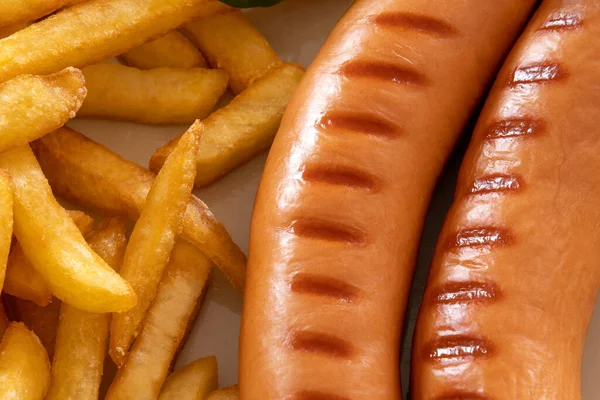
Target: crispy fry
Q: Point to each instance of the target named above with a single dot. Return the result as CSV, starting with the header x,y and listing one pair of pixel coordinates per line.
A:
x,y
31,106
43,321
24,365
54,245
229,393
3,320
193,318
82,336
103,29
24,281
148,363
245,127
157,96
153,238
192,382
171,50
90,174
15,11
6,222
230,42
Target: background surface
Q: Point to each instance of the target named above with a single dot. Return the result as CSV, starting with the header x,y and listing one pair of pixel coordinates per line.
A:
x,y
296,29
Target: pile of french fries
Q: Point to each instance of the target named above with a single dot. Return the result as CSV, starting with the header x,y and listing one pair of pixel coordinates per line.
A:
x,y
74,288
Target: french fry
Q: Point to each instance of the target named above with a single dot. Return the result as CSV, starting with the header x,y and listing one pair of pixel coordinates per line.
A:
x,y
81,340
153,238
88,173
245,127
24,281
43,321
15,11
192,319
172,50
149,360
3,320
229,393
156,96
230,42
102,28
24,365
6,223
54,245
193,382
31,105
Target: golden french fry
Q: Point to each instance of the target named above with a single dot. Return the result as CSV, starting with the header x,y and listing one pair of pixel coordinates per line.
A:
x,y
24,281
3,320
43,321
81,338
24,365
230,42
149,360
6,222
153,238
192,382
229,393
88,173
15,11
156,96
242,129
102,28
31,105
192,319
73,271
171,50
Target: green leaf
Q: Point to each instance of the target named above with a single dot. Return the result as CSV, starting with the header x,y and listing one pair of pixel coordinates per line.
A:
x,y
251,3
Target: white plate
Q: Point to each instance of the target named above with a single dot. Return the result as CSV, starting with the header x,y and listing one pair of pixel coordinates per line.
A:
x,y
296,29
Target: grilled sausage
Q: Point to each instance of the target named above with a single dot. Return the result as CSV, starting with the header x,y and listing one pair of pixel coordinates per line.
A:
x,y
513,282
341,205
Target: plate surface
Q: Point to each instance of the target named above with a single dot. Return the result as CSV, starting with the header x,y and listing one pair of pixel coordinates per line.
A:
x,y
296,29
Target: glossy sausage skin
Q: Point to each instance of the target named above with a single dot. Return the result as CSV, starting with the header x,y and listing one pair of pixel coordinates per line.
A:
x,y
516,272
341,205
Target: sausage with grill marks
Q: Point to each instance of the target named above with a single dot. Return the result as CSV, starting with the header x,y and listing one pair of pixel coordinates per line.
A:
x,y
515,275
340,208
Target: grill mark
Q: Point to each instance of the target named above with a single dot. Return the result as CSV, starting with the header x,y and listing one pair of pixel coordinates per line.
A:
x,y
324,286
514,127
495,183
463,292
314,228
383,71
339,175
314,395
458,347
483,236
461,395
537,73
357,122
561,21
319,343
415,22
